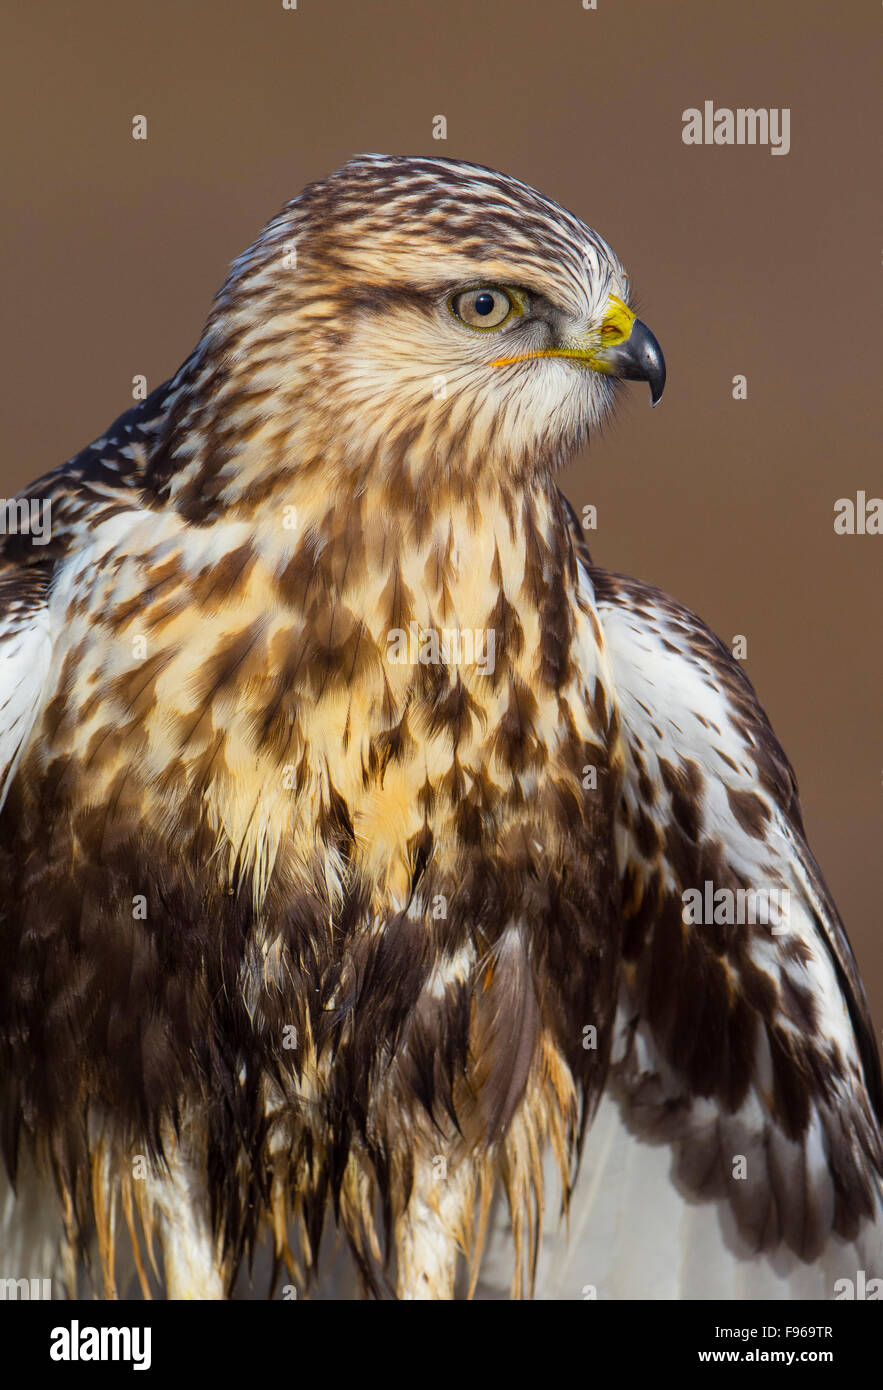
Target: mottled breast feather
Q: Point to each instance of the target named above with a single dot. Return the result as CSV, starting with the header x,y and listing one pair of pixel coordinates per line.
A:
x,y
379,906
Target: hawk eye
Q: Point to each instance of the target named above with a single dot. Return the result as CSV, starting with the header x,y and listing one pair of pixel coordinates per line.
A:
x,y
485,307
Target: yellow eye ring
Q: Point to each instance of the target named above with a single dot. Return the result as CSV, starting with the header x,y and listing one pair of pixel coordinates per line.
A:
x,y
484,308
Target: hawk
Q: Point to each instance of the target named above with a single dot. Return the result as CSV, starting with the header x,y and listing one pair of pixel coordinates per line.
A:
x,y
354,822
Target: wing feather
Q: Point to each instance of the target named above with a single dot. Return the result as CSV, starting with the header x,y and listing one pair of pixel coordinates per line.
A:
x,y
25,652
746,1046
737,1150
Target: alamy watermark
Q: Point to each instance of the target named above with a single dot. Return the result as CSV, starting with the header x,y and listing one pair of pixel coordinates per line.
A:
x,y
16,1289
745,126
76,1343
28,516
453,646
765,907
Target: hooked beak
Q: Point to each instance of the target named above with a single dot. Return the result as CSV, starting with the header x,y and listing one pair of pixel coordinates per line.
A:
x,y
624,347
636,357
628,349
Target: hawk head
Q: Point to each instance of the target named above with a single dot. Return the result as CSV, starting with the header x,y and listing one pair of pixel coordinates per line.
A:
x,y
423,315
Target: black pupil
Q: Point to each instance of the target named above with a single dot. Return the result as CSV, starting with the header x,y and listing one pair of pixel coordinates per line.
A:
x,y
484,304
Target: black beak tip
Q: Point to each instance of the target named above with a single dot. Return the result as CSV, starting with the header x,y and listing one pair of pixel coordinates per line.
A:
x,y
640,358
652,363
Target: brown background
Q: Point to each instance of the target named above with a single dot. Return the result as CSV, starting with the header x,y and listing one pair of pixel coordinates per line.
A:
x,y
742,261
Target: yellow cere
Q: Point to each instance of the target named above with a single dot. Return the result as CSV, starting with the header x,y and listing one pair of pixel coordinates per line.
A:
x,y
617,323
